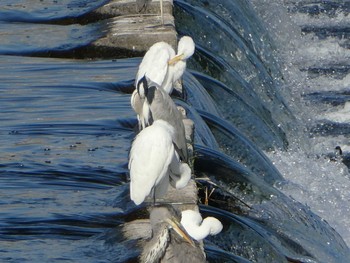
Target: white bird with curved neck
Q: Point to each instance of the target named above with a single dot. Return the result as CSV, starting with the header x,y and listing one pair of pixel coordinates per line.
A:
x,y
198,228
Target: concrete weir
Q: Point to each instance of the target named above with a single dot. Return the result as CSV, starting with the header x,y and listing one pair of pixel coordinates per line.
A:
x,y
135,27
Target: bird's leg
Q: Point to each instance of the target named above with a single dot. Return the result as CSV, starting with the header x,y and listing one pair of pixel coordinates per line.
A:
x,y
207,195
206,201
154,195
211,192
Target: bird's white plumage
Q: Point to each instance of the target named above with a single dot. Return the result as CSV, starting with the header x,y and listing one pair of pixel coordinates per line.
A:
x,y
186,47
192,221
152,160
180,173
137,104
151,153
154,64
161,66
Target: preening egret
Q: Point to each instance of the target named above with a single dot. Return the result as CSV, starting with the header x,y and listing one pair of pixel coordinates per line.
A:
x,y
158,105
197,228
169,243
154,63
162,66
155,66
153,160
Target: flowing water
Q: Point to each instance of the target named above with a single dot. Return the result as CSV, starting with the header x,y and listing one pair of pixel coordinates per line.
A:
x,y
266,88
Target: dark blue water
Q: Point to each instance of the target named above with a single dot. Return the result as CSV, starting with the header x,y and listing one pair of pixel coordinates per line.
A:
x,y
67,126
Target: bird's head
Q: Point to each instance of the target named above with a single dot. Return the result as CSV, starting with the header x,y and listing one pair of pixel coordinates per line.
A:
x,y
215,226
185,50
169,215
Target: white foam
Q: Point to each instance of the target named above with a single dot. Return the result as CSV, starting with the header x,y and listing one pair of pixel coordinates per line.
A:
x,y
312,178
340,116
338,19
319,183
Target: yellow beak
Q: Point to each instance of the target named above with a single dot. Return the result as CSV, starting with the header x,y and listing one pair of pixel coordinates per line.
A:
x,y
180,231
175,59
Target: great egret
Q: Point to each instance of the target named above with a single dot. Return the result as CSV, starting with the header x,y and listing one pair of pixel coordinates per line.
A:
x,y
197,228
152,160
155,65
158,105
169,243
161,65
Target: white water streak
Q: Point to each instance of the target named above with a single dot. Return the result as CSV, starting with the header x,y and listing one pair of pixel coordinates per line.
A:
x,y
312,178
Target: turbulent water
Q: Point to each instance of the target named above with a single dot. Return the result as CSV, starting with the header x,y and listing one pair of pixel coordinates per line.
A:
x,y
266,88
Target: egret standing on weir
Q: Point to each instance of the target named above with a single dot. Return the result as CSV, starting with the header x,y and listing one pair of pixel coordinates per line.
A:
x,y
163,67
153,160
155,65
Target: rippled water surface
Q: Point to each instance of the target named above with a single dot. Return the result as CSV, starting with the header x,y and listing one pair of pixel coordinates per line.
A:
x,y
67,126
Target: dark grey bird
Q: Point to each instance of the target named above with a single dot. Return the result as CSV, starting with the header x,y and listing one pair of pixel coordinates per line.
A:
x,y
158,105
170,243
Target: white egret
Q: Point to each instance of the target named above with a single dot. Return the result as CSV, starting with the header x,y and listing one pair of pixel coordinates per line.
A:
x,y
153,160
197,228
169,242
161,65
154,65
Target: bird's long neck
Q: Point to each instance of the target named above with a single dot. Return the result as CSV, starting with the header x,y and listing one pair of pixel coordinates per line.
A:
x,y
156,251
199,232
150,94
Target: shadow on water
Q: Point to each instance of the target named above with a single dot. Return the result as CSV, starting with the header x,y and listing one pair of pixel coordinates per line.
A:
x,y
44,11
67,127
